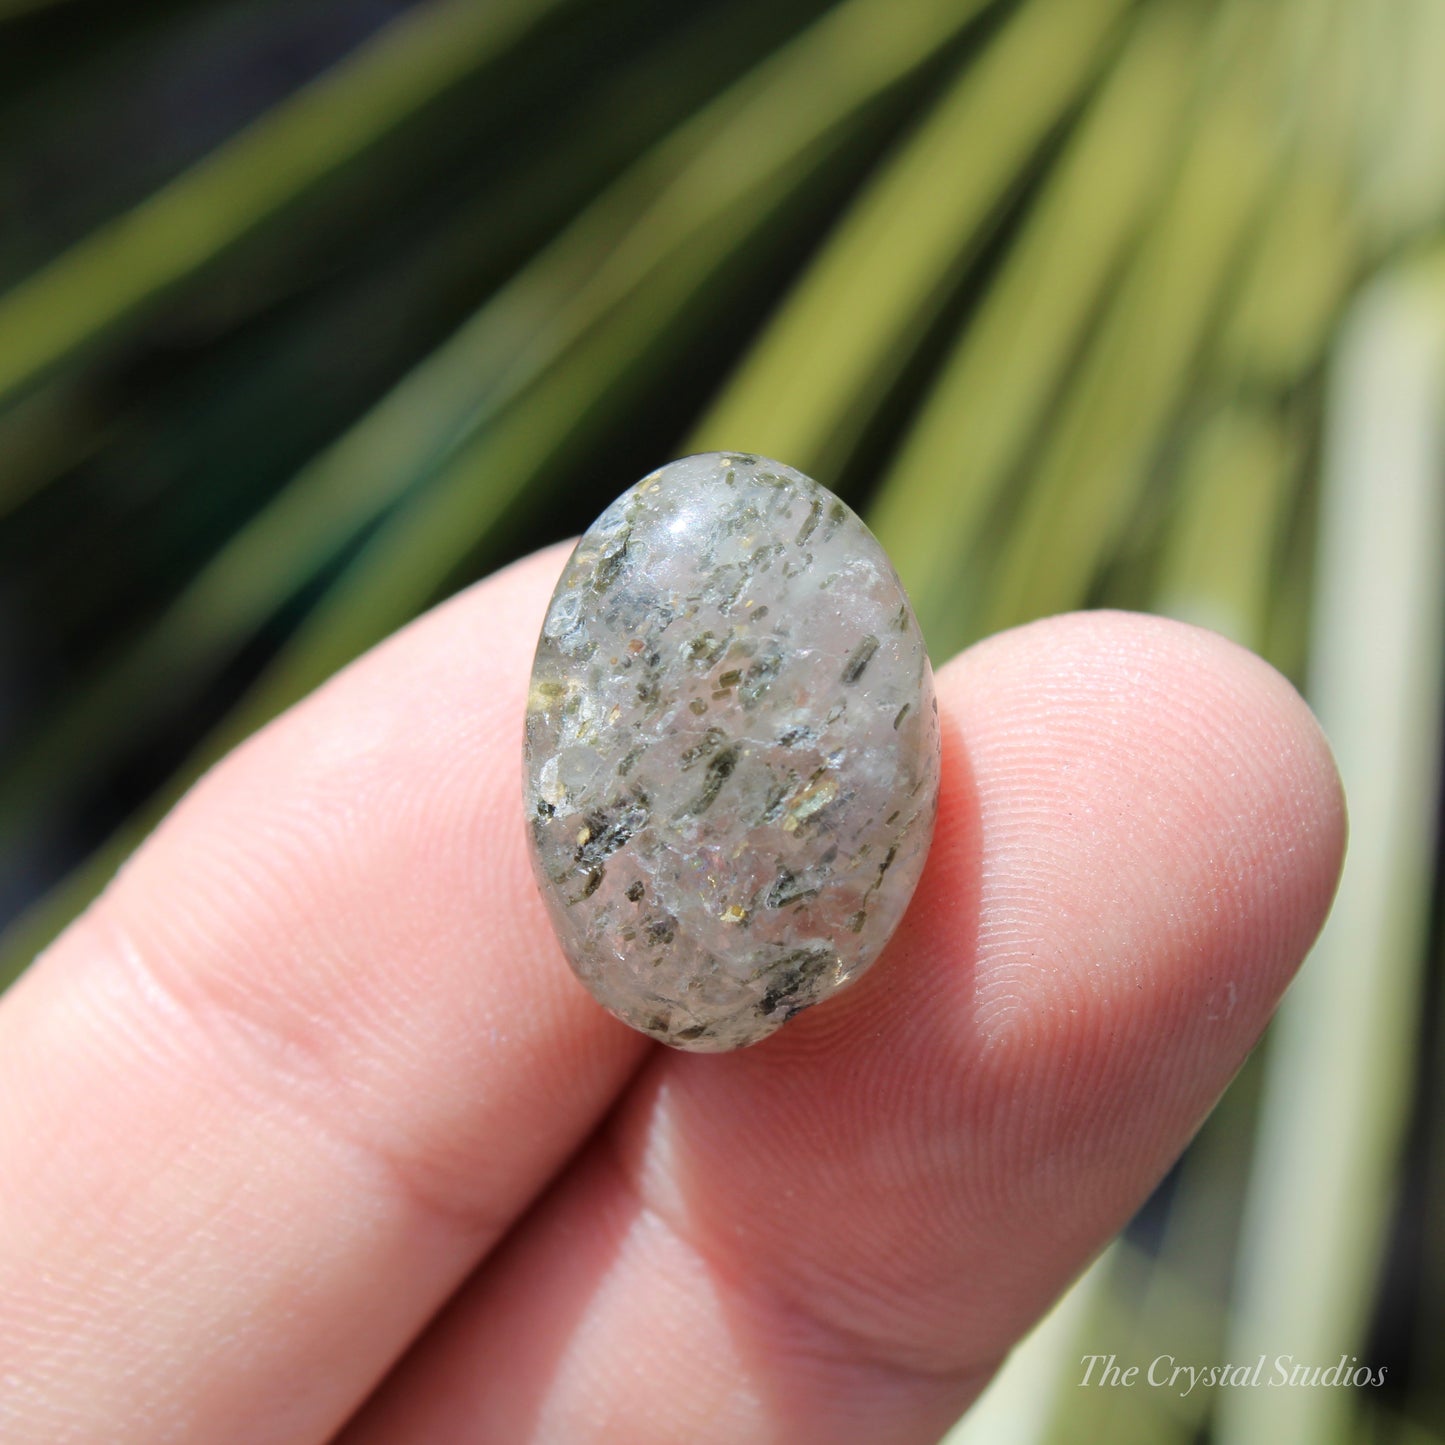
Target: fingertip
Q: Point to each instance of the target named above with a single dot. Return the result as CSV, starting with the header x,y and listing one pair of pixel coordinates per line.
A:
x,y
1185,756
1155,833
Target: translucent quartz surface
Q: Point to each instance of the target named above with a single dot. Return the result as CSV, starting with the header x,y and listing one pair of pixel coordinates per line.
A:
x,y
732,752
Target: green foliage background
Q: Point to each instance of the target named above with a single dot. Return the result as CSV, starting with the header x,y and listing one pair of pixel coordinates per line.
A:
x,y
309,314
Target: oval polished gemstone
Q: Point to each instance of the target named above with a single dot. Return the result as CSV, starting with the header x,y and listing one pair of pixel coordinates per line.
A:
x,y
732,752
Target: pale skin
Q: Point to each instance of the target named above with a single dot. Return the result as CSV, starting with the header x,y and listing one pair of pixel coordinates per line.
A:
x,y
306,1128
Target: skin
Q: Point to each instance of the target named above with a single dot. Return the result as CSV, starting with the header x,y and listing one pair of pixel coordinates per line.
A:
x,y
307,1128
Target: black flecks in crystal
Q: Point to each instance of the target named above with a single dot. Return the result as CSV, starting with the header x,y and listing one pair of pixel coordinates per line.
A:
x,y
786,889
606,830
810,522
590,885
858,662
706,648
612,563
761,671
704,747
792,976
719,770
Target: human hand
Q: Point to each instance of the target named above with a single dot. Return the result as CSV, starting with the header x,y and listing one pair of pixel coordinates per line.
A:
x,y
307,1121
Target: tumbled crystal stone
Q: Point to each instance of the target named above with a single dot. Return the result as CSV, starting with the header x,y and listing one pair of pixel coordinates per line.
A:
x,y
732,751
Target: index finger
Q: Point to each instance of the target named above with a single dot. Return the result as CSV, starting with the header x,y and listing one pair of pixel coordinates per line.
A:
x,y
273,1097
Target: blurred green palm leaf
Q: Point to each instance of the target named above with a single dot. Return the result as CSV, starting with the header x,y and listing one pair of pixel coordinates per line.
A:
x,y
1048,286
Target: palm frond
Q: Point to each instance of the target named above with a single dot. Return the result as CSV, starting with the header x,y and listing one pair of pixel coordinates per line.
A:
x,y
1053,288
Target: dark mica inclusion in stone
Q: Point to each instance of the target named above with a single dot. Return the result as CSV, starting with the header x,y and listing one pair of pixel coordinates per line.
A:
x,y
732,752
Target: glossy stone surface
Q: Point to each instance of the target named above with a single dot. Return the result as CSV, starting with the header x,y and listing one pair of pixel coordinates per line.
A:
x,y
732,752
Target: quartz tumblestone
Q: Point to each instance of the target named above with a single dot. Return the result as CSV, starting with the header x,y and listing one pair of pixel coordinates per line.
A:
x,y
732,752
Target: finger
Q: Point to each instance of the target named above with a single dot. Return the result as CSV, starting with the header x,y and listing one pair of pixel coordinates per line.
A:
x,y
300,1066
838,1234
